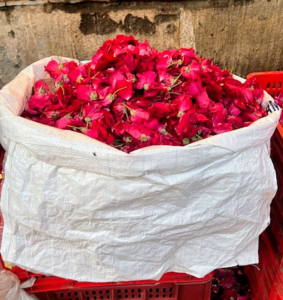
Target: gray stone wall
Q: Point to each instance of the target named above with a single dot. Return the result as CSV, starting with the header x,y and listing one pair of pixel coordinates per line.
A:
x,y
242,35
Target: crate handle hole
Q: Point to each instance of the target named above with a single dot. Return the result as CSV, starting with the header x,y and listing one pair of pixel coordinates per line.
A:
x,y
268,85
274,85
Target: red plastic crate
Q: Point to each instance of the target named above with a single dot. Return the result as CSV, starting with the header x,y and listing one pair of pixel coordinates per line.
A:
x,y
272,82
263,276
277,151
267,282
174,286
170,286
276,292
276,228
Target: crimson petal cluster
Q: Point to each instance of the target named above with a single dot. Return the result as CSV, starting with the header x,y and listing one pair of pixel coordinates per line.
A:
x,y
131,96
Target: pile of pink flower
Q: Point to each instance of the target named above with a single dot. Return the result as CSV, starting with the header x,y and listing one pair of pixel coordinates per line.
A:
x,y
131,95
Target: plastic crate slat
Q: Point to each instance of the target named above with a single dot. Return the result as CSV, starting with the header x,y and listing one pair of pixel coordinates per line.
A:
x,y
191,290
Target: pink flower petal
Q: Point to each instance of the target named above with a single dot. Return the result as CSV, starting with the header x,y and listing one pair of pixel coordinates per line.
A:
x,y
125,89
146,80
233,110
193,88
185,128
41,86
203,99
221,128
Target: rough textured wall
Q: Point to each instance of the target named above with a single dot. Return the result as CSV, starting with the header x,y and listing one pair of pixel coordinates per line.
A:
x,y
243,35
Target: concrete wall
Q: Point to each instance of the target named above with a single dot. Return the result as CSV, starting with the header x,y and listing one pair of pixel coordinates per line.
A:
x,y
243,35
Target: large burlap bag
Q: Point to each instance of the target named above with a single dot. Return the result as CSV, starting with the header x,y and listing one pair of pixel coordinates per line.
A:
x,y
77,208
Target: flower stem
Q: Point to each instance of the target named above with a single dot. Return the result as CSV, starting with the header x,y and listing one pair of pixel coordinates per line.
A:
x,y
175,85
109,48
119,90
132,111
95,75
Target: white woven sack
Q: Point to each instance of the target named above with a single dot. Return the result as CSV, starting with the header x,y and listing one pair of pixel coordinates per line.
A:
x,y
77,208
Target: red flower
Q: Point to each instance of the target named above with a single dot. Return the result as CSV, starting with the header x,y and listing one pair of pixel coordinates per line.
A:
x,y
55,69
40,99
192,88
219,114
162,110
100,134
146,80
221,128
191,71
185,129
86,92
203,99
100,128
138,132
233,110
132,96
